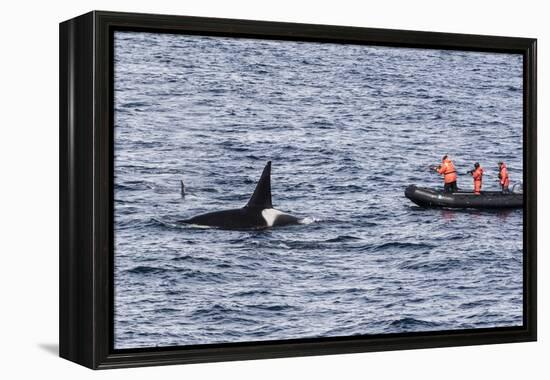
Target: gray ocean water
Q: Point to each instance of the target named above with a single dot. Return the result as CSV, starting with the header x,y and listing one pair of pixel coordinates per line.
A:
x,y
347,128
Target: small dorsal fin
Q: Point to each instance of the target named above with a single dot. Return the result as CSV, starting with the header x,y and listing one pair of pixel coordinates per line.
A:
x,y
262,194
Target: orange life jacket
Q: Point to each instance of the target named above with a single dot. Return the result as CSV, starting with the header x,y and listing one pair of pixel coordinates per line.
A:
x,y
478,176
503,175
448,171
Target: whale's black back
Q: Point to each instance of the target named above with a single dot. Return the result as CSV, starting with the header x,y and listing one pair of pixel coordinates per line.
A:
x,y
239,218
250,216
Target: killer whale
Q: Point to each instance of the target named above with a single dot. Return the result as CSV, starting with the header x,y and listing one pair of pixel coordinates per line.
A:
x,y
258,213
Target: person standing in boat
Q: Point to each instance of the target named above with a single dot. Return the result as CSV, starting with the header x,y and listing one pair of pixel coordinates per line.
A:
x,y
447,170
477,174
503,177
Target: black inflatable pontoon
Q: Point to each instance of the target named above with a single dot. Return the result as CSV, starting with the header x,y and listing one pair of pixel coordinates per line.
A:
x,y
425,197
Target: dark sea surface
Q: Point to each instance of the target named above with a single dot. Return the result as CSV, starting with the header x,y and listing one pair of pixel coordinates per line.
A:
x,y
347,128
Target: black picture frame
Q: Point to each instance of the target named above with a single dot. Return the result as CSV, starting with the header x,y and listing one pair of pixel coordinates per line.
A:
x,y
86,189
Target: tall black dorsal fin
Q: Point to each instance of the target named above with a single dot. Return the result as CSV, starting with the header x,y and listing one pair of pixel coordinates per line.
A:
x,y
262,194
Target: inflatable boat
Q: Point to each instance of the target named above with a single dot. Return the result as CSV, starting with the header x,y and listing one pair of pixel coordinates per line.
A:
x,y
426,197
